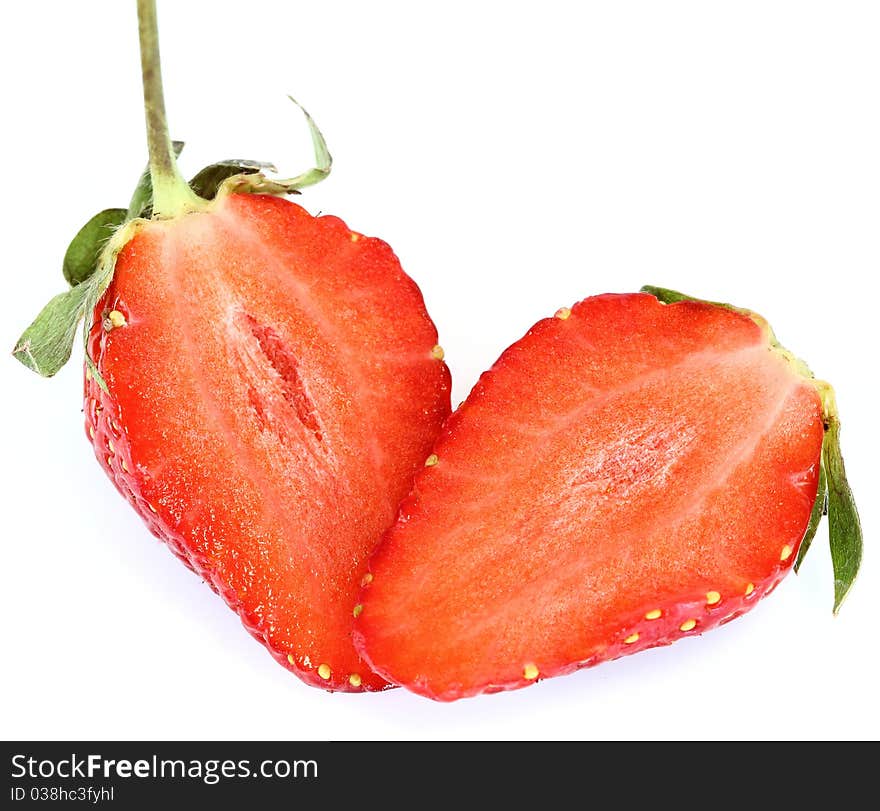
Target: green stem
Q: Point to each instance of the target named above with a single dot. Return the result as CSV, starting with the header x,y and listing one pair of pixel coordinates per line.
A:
x,y
171,193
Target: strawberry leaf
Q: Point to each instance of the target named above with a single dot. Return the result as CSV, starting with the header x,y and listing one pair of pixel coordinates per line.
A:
x,y
820,508
258,183
98,284
323,159
666,296
206,183
46,344
844,527
82,254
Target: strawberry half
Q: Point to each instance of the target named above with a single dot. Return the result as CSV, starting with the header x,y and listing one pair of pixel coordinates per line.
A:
x,y
261,385
629,473
271,387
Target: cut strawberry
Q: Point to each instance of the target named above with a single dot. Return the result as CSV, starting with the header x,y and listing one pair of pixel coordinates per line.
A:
x,y
628,473
261,385
271,388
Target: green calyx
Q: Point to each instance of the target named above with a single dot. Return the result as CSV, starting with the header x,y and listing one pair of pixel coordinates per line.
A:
x,y
820,509
256,182
666,296
89,262
237,176
161,194
85,248
45,346
834,497
844,526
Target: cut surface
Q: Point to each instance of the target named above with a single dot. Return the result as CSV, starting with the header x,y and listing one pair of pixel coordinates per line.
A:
x,y
272,390
625,474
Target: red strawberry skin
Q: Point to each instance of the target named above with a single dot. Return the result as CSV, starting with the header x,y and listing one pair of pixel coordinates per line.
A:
x,y
627,474
272,386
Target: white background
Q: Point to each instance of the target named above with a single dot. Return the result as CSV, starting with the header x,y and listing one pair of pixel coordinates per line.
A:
x,y
518,157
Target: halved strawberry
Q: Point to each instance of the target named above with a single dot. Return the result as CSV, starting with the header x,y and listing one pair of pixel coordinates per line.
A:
x,y
628,473
271,387
261,385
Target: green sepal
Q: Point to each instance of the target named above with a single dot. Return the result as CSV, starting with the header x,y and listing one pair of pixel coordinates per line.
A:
x,y
820,508
666,296
323,158
99,283
93,371
82,254
45,346
258,183
207,182
844,527
141,204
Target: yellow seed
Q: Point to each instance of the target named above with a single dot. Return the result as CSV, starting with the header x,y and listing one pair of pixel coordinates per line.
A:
x,y
749,589
109,461
438,352
785,554
367,579
88,373
116,318
91,432
432,460
152,508
357,610
654,615
355,237
354,680
630,639
712,597
688,625
125,467
291,659
562,313
110,446
324,671
530,672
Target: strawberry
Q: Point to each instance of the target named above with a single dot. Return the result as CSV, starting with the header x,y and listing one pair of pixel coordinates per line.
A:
x,y
629,473
261,385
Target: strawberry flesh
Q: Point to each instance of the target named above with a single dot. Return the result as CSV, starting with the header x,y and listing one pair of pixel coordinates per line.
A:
x,y
271,391
626,474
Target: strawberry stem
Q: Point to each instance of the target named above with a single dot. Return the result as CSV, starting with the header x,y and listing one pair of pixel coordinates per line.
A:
x,y
171,193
